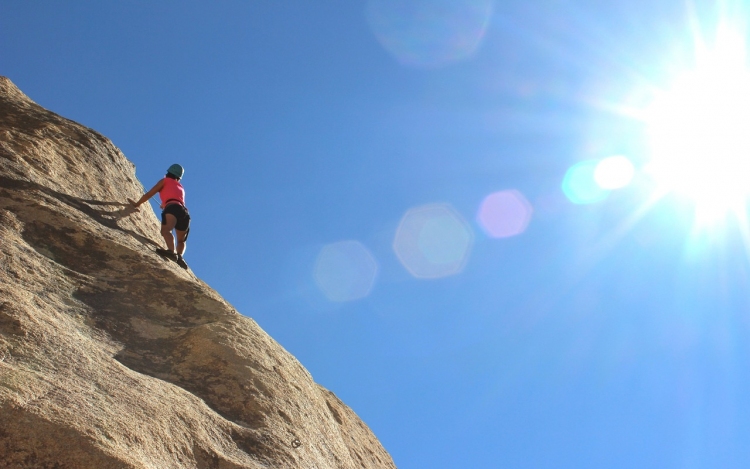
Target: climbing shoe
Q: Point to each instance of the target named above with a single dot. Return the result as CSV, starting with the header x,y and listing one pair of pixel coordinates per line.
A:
x,y
167,254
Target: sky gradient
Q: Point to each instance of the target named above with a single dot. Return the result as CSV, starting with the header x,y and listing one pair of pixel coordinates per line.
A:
x,y
381,185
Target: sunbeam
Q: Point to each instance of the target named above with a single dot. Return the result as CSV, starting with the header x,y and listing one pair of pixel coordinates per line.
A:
x,y
697,129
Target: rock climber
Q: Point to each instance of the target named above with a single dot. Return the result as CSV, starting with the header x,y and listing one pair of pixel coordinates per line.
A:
x,y
174,215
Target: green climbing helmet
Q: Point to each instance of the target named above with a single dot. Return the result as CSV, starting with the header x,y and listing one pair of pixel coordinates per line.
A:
x,y
176,171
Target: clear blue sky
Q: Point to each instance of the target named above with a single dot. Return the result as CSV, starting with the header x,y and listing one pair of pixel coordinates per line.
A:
x,y
605,335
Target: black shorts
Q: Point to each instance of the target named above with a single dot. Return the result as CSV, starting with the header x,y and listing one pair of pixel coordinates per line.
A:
x,y
180,213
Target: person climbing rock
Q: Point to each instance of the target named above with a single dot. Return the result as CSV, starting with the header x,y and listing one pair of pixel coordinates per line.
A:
x,y
174,215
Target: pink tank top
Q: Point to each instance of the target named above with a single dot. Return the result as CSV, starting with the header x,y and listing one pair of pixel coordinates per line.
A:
x,y
172,193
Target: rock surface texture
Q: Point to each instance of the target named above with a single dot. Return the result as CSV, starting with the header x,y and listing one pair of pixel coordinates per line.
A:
x,y
112,357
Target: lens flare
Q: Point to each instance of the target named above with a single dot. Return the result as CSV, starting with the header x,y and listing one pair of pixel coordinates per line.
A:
x,y
580,186
614,172
345,271
433,241
504,214
429,33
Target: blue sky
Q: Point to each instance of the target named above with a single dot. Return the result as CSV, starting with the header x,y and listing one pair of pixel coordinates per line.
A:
x,y
612,334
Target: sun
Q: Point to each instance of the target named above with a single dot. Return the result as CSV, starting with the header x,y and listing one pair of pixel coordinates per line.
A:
x,y
699,129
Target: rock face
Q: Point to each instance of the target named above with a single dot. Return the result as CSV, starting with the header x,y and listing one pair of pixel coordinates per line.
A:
x,y
112,357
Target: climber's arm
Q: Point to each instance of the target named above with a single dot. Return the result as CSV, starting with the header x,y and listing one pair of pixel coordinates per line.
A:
x,y
154,190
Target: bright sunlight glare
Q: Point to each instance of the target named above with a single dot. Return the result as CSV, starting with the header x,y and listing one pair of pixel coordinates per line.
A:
x,y
614,172
699,129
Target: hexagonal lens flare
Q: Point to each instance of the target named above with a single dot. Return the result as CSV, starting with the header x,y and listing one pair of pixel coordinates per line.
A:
x,y
580,186
345,271
429,33
504,214
614,172
433,241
